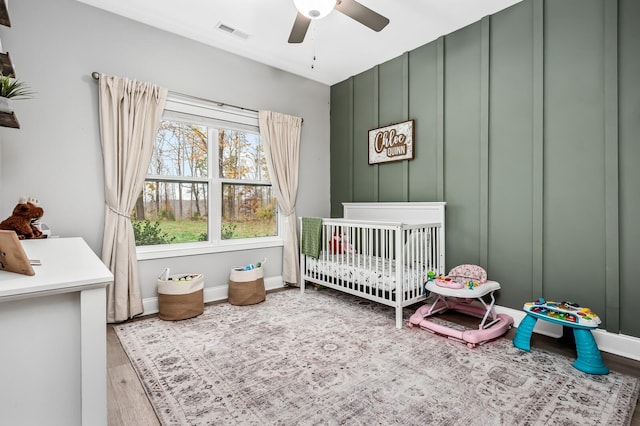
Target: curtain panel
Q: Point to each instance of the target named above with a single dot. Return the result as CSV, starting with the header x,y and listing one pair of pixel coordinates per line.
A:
x,y
130,114
280,134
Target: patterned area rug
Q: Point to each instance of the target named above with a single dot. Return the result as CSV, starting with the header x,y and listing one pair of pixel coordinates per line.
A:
x,y
326,358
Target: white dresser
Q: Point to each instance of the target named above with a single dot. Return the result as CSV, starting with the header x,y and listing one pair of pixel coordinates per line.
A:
x,y
53,349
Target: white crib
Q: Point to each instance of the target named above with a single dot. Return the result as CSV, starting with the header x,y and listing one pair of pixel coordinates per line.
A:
x,y
379,251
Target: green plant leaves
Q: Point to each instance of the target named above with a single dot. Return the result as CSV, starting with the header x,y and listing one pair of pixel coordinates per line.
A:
x,y
13,88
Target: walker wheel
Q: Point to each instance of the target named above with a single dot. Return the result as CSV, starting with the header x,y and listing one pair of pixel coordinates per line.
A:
x,y
471,345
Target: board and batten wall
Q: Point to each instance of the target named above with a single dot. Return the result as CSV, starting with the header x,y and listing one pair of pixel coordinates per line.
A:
x,y
527,123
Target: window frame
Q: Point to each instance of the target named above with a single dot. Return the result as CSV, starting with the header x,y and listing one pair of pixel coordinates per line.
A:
x,y
213,115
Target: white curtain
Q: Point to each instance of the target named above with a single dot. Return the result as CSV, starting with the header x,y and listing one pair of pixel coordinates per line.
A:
x,y
280,134
130,113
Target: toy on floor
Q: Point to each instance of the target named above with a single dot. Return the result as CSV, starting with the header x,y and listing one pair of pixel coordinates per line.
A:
x,y
430,277
568,314
563,313
463,290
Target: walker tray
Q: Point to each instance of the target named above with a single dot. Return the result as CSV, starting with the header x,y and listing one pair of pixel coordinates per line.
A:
x,y
563,313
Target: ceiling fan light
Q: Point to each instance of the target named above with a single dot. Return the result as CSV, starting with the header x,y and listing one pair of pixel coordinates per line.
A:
x,y
315,9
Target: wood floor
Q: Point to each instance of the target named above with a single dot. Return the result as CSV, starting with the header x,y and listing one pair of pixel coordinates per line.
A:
x,y
128,404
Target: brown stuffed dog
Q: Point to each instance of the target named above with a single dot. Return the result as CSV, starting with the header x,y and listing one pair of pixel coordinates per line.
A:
x,y
22,220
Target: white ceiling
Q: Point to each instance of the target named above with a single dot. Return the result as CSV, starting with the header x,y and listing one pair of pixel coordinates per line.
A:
x,y
341,46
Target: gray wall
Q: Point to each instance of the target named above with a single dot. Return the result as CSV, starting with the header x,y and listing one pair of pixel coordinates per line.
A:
x,y
56,155
527,124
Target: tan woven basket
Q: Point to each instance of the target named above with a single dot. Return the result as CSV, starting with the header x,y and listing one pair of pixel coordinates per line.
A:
x,y
180,299
246,287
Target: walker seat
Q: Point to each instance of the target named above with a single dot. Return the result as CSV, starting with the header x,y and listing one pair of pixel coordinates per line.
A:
x,y
468,299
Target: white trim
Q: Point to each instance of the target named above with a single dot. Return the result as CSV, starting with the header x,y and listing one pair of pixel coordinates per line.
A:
x,y
213,294
189,105
406,212
192,249
617,344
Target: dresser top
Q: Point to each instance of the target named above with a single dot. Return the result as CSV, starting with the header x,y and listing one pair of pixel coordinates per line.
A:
x,y
66,265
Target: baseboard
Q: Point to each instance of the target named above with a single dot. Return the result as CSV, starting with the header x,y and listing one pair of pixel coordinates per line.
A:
x,y
213,294
617,344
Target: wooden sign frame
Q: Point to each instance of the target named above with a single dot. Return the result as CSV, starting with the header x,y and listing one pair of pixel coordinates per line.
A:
x,y
391,143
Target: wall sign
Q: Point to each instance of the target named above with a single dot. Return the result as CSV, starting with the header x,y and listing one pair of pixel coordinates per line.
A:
x,y
391,143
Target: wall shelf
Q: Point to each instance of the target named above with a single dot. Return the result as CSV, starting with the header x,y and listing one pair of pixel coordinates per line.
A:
x,y
6,66
9,119
4,14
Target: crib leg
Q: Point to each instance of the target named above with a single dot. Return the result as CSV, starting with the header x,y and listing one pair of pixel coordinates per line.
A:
x,y
398,316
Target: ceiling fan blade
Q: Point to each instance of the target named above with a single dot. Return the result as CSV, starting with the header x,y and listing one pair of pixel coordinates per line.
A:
x,y
362,14
299,30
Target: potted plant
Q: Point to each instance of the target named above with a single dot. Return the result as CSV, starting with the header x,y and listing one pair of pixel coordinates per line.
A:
x,y
11,88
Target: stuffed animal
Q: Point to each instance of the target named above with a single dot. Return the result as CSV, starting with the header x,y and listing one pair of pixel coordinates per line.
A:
x,y
22,220
339,244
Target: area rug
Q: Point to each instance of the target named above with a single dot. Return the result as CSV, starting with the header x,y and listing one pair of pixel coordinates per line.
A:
x,y
327,358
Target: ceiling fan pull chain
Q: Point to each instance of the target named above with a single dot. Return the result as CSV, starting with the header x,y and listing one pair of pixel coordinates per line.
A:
x,y
313,48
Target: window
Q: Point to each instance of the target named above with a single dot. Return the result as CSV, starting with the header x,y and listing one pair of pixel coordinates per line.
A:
x,y
207,182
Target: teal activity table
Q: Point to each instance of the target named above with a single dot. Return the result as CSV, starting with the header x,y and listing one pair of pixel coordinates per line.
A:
x,y
581,320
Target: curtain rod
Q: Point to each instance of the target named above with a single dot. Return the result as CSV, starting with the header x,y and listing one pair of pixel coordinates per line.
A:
x,y
96,76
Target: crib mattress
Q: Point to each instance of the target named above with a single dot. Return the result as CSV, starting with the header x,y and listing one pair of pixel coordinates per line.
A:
x,y
376,272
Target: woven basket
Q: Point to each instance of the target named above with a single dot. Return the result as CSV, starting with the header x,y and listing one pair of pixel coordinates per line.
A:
x,y
246,287
181,299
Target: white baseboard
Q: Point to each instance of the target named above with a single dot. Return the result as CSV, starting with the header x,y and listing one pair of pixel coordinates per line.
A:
x,y
617,344
213,294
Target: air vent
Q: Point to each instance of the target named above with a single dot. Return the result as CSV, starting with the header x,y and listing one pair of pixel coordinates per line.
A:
x,y
230,30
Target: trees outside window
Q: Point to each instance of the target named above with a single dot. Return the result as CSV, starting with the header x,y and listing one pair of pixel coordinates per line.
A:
x,y
207,182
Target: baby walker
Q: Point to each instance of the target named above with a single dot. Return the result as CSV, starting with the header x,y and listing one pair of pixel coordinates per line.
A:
x,y
463,290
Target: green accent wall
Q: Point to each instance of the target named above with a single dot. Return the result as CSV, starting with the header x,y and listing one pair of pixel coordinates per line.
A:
x,y
527,125
341,145
365,102
628,145
391,107
423,109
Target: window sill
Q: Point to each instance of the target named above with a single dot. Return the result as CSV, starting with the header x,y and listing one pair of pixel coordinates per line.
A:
x,y
194,249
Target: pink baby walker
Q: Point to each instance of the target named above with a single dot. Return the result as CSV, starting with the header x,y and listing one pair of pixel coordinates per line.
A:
x,y
463,290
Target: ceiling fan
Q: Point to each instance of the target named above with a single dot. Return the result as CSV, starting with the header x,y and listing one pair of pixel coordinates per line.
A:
x,y
309,10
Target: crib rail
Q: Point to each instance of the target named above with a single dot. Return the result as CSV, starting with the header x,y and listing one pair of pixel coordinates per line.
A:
x,y
386,262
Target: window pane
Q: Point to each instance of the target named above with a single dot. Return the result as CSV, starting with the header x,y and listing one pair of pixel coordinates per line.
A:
x,y
248,211
176,201
241,155
180,150
171,212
